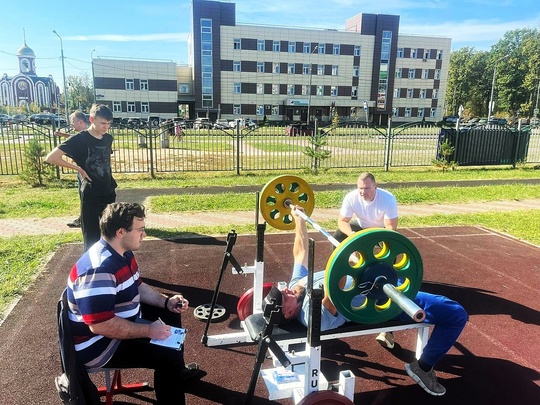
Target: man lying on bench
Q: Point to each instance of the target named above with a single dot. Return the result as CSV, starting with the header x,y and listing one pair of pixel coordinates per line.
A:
x,y
447,316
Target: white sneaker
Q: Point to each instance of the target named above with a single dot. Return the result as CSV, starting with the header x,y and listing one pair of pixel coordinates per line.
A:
x,y
386,339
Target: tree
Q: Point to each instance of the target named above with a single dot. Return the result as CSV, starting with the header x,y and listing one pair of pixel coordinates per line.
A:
x,y
80,92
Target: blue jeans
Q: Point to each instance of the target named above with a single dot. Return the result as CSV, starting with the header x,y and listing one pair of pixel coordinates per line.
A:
x,y
449,319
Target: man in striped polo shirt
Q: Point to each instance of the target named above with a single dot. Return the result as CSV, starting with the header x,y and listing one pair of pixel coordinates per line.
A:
x,y
113,313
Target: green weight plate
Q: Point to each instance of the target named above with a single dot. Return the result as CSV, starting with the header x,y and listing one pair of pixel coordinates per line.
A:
x,y
376,248
275,195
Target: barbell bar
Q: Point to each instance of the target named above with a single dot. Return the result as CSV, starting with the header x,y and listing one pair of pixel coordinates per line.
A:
x,y
389,273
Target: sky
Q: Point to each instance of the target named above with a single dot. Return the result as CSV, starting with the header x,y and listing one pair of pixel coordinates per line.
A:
x,y
159,29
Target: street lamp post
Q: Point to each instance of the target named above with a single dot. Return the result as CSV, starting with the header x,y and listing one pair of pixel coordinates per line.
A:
x,y
309,86
93,78
64,74
490,107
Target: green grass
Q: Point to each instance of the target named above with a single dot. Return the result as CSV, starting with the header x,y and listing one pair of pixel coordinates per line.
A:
x,y
23,258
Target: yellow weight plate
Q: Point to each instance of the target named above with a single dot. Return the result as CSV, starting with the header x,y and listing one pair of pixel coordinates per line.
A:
x,y
278,193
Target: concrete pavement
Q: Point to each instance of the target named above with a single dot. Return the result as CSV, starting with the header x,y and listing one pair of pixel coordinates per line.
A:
x,y
56,225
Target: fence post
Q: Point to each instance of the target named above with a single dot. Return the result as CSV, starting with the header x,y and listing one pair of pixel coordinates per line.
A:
x,y
387,146
237,147
151,150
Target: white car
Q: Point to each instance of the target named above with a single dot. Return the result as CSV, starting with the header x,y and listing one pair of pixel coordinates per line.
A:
x,y
202,123
221,123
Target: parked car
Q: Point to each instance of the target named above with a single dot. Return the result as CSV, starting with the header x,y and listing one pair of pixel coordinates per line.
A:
x,y
43,118
5,119
136,122
497,121
243,123
221,123
59,119
19,118
201,123
299,129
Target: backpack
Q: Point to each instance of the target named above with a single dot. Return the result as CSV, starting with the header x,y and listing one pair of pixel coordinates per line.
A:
x,y
74,386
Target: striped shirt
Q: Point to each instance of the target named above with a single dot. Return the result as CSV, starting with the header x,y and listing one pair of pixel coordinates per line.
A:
x,y
101,285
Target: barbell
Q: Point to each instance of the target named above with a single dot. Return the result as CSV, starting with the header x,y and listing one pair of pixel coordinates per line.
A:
x,y
372,276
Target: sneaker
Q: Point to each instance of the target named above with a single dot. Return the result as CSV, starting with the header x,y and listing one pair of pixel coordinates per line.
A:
x,y
191,371
76,223
426,379
386,339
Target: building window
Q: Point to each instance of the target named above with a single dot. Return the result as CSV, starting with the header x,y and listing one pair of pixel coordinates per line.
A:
x,y
275,89
356,51
333,91
427,54
437,74
236,66
425,73
408,112
260,67
183,88
207,69
321,49
400,53
399,72
305,90
275,110
414,53
145,107
412,73
236,110
260,44
433,112
320,90
335,70
395,112
307,47
356,71
439,54
237,43
320,70
237,88
290,89
354,91
423,93
260,110
131,106
144,85
420,113
386,45
130,84
410,93
260,88
290,68
435,94
305,69
117,106
292,47
397,93
275,46
336,49
275,67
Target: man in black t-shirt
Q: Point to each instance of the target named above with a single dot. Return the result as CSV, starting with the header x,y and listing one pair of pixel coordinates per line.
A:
x,y
91,152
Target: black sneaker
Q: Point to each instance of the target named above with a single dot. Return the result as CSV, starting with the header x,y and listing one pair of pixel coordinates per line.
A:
x,y
76,223
191,371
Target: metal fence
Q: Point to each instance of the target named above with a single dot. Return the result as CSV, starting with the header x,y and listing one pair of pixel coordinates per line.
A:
x,y
352,145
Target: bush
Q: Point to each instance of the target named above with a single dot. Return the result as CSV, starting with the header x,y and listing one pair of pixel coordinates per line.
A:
x,y
36,171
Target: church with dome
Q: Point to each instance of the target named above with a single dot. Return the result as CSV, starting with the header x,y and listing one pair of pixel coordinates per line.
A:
x,y
27,87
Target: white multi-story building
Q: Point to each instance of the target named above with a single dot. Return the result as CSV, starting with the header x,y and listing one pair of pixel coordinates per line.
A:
x,y
367,70
287,73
